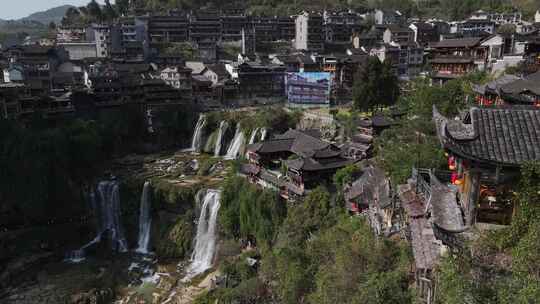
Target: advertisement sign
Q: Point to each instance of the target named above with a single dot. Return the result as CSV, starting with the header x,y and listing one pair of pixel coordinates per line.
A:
x,y
308,88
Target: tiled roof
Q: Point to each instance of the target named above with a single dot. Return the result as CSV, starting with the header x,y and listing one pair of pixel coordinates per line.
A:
x,y
495,85
373,186
507,136
531,83
197,66
310,164
445,209
219,69
426,250
423,26
454,43
314,154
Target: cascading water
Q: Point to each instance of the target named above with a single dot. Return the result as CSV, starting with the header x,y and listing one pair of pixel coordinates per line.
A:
x,y
222,129
108,212
197,134
109,195
264,132
145,220
205,240
236,144
253,135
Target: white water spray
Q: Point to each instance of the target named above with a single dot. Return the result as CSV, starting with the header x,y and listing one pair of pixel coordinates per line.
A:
x,y
108,212
223,126
236,144
109,194
253,135
197,134
145,220
205,240
264,133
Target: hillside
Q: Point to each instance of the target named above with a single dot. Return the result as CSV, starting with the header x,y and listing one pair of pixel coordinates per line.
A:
x,y
51,15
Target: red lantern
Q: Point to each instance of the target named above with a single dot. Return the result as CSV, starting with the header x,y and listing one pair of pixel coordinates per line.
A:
x,y
452,163
453,177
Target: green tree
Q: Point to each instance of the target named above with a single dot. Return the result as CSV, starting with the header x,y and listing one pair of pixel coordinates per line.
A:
x,y
346,175
375,86
109,13
122,6
94,11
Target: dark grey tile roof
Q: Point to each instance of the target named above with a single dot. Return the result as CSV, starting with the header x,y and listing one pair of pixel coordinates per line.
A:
x,y
310,164
506,136
444,207
426,250
495,85
460,42
372,186
531,84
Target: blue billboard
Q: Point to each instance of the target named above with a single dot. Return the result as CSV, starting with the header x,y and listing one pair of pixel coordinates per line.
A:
x,y
308,88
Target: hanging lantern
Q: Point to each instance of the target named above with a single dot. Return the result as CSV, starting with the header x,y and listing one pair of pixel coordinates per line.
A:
x,y
451,163
458,182
453,177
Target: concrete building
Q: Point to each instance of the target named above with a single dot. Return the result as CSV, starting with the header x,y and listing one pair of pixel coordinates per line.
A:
x,y
398,34
309,32
101,34
340,26
167,29
388,17
71,34
179,78
424,33
80,50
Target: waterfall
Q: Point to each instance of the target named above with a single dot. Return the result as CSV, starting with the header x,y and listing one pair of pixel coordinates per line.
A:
x,y
109,195
222,129
145,220
108,212
264,132
205,240
236,144
197,134
253,135
79,255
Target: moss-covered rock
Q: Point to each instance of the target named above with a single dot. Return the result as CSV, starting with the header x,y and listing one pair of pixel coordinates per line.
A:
x,y
211,142
173,198
175,235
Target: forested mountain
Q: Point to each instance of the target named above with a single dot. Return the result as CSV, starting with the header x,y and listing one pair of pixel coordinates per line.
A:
x,y
51,15
447,9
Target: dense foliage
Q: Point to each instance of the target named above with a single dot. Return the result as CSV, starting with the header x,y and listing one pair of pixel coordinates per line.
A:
x,y
46,166
314,254
430,8
247,212
445,9
413,141
375,86
42,168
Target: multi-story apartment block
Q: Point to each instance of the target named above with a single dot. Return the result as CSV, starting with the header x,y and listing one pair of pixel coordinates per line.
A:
x,y
166,29
424,33
340,26
73,33
101,34
310,32
398,34
205,26
269,29
233,25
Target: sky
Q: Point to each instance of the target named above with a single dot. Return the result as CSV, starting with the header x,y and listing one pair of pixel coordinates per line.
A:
x,y
15,9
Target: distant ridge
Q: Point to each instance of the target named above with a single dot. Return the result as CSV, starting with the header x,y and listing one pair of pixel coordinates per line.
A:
x,y
54,14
